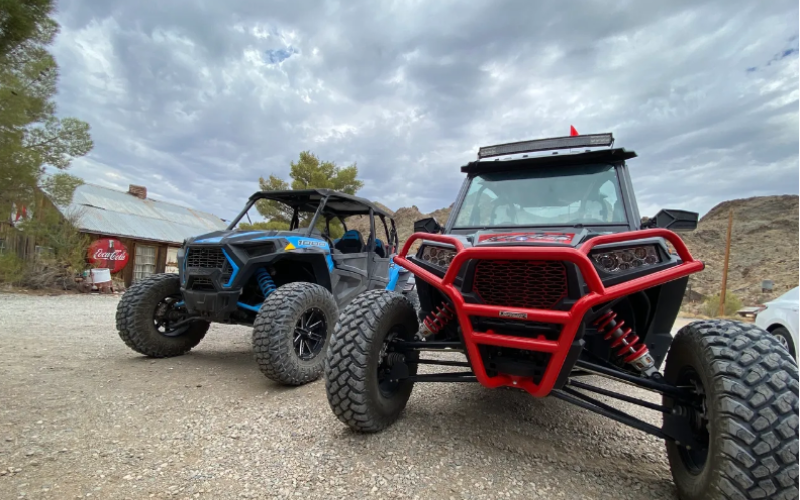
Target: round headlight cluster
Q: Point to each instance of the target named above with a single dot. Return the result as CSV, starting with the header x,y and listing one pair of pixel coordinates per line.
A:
x,y
438,256
624,259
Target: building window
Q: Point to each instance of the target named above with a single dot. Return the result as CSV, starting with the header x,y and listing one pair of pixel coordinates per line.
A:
x,y
2,246
144,263
42,252
172,260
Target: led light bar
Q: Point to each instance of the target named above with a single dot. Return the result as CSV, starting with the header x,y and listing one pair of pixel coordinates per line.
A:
x,y
569,142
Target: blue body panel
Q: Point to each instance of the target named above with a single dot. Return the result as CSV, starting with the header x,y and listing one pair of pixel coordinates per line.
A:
x,y
303,242
394,274
233,266
296,241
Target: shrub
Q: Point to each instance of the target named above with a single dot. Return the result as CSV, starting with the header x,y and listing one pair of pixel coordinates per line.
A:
x,y
60,257
732,304
12,268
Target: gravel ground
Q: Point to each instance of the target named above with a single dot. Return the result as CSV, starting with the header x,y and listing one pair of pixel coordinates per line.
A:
x,y
84,416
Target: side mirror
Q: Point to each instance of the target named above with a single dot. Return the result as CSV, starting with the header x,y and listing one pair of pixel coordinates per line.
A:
x,y
427,225
674,220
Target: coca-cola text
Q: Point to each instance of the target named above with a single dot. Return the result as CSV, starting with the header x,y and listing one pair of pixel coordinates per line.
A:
x,y
115,255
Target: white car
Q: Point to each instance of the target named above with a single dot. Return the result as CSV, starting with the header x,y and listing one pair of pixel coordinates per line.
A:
x,y
780,317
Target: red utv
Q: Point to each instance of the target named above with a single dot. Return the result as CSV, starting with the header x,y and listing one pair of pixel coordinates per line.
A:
x,y
545,274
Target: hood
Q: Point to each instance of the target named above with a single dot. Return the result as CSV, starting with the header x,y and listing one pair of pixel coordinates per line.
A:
x,y
238,236
530,238
522,237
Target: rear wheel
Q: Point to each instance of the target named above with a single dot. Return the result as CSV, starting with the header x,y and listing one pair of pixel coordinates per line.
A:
x,y
292,331
152,321
358,369
746,420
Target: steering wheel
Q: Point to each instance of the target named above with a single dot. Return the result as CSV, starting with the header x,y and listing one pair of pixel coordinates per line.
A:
x,y
511,212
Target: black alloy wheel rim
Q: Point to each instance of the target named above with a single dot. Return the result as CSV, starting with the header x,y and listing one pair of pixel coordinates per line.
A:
x,y
386,385
695,459
169,312
310,332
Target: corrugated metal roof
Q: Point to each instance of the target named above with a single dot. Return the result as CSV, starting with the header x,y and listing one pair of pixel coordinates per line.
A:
x,y
107,211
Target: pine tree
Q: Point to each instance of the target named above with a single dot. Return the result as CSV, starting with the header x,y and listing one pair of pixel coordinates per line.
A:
x,y
32,137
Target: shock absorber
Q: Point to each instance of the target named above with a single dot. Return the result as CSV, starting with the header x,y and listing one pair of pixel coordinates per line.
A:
x,y
437,319
265,282
626,344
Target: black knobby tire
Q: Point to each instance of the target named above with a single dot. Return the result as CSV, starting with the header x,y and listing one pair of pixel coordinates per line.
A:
x,y
785,338
354,391
413,297
751,393
274,332
136,314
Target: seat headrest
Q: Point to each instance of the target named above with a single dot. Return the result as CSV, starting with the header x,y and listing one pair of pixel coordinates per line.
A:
x,y
352,234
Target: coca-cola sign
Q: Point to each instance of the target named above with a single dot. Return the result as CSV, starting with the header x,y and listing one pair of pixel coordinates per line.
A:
x,y
108,253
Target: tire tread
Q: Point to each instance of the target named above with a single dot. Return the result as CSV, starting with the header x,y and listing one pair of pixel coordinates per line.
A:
x,y
276,320
757,383
346,365
134,319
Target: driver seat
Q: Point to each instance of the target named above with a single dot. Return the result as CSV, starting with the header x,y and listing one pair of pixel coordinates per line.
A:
x,y
350,242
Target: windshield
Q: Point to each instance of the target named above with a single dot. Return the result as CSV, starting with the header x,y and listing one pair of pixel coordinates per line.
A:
x,y
266,215
583,194
274,215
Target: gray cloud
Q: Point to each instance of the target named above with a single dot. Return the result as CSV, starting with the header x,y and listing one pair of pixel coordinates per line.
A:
x,y
197,100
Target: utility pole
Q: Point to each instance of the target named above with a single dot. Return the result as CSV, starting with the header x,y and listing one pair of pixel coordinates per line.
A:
x,y
725,266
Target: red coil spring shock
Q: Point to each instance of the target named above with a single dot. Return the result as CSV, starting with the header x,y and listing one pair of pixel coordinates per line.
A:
x,y
626,343
437,318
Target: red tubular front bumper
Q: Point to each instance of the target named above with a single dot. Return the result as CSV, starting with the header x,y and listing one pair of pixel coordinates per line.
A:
x,y
570,320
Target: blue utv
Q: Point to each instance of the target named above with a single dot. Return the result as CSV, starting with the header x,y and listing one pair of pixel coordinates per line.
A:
x,y
288,285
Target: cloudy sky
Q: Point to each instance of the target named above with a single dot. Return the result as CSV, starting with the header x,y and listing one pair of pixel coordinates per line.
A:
x,y
197,99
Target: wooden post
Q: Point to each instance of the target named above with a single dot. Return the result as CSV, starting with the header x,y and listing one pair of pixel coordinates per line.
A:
x,y
725,266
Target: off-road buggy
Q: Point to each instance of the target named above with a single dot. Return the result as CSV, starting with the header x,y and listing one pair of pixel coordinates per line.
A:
x,y
287,285
544,275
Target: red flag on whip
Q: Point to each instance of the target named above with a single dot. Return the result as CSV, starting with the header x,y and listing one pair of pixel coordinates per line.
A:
x,y
572,131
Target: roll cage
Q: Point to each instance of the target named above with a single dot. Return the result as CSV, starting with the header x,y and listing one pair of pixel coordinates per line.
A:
x,y
328,205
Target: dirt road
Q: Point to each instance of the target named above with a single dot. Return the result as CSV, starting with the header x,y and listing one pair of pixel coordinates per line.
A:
x,y
83,416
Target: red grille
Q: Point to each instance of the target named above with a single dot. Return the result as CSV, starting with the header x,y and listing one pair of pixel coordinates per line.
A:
x,y
521,283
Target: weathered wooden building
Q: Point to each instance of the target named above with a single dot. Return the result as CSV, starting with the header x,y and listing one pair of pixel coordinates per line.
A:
x,y
151,230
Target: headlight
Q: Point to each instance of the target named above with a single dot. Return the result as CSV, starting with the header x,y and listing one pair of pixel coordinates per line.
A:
x,y
614,261
438,256
259,248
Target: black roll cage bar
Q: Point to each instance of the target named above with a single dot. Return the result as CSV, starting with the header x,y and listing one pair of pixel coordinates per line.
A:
x,y
390,229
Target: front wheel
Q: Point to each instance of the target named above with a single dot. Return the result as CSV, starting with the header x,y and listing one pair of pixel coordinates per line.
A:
x,y
413,297
361,392
292,331
746,417
152,321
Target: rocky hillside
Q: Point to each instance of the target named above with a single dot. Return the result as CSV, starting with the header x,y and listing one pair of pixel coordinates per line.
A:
x,y
764,245
404,219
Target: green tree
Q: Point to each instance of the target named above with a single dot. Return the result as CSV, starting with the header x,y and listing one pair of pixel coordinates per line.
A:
x,y
32,137
309,172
